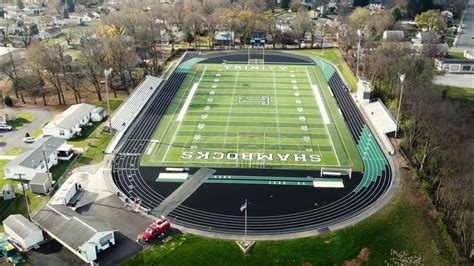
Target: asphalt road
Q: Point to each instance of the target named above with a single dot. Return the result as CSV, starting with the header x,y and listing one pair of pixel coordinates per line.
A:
x,y
456,80
15,138
466,41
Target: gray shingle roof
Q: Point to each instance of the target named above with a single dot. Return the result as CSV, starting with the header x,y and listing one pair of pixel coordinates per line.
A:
x,y
72,228
32,158
39,179
71,116
20,225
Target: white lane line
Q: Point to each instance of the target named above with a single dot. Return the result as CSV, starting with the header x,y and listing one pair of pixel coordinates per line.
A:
x,y
179,125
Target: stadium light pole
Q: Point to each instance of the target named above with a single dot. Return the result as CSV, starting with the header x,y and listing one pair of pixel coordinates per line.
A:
x,y
402,78
107,73
359,34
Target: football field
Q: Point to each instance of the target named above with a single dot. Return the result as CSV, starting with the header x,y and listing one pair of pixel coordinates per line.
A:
x,y
253,116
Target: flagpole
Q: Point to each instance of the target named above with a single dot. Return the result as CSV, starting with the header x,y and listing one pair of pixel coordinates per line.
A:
x,y
245,237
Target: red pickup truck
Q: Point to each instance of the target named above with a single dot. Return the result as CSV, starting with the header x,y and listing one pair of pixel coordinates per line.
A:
x,y
156,230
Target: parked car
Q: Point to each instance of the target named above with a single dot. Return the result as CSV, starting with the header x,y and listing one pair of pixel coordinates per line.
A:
x,y
29,140
5,127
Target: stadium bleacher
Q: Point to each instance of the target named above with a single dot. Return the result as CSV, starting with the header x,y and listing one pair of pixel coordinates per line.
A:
x,y
134,104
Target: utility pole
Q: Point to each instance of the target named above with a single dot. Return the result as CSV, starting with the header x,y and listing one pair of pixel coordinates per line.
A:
x,y
245,236
402,78
359,34
47,169
24,195
107,74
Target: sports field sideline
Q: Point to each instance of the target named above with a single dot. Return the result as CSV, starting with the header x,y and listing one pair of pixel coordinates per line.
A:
x,y
253,116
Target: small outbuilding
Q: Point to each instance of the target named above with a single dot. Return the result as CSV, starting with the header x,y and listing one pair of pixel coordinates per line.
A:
x,y
40,183
393,35
98,114
22,231
8,192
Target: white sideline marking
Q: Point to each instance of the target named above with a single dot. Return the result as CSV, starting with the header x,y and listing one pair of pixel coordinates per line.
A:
x,y
328,184
150,148
186,104
324,114
179,122
182,176
321,106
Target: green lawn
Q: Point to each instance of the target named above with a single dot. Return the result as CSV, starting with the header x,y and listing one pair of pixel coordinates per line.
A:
x,y
404,225
95,150
262,112
334,56
18,204
455,55
14,151
21,119
456,93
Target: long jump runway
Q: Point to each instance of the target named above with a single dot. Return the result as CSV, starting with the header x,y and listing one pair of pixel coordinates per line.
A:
x,y
272,209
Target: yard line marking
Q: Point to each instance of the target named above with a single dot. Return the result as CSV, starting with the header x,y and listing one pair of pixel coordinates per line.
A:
x,y
230,109
179,124
321,108
276,110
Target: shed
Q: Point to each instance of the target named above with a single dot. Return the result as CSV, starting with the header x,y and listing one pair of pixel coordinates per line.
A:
x,y
8,192
40,183
22,231
98,114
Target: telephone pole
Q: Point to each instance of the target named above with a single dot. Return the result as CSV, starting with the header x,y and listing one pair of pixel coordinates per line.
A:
x,y
24,195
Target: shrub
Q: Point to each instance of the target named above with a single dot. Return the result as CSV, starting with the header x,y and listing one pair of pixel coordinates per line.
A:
x,y
8,101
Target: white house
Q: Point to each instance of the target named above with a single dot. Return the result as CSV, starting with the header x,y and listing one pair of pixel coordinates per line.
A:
x,y
85,236
22,231
68,124
463,66
68,22
393,35
31,162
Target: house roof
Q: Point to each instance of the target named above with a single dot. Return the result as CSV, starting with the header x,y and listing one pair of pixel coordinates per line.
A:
x,y
458,61
71,116
70,227
32,158
7,187
393,34
20,225
98,110
39,179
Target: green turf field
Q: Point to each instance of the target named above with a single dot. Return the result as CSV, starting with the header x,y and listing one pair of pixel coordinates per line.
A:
x,y
253,116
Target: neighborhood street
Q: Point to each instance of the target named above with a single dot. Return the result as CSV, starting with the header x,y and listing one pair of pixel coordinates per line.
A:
x,y
15,137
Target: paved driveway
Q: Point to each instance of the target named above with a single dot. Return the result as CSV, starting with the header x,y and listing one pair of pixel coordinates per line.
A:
x,y
15,138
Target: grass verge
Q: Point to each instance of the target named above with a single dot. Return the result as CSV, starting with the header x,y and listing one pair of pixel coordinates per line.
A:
x,y
456,93
14,151
404,225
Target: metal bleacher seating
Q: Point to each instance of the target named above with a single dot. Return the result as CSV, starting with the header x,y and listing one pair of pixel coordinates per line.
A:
x,y
135,103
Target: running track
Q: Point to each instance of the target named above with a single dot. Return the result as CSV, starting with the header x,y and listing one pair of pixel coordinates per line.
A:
x,y
129,178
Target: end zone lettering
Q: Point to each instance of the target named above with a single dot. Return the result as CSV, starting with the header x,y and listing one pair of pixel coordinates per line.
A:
x,y
284,157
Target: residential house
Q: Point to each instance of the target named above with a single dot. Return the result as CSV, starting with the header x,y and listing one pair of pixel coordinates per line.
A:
x,y
69,123
393,36
463,66
31,162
